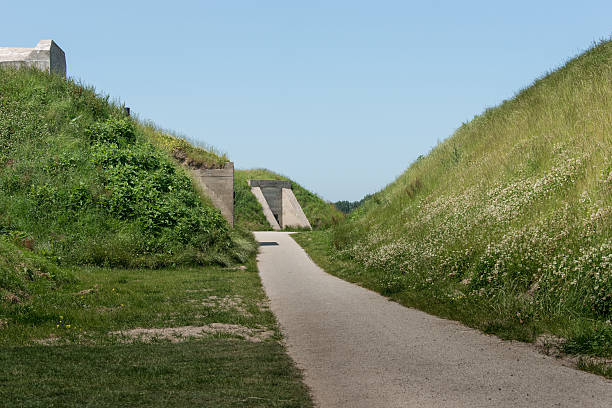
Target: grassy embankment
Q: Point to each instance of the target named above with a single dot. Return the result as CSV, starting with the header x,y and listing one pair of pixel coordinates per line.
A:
x,y
249,213
101,231
506,225
86,186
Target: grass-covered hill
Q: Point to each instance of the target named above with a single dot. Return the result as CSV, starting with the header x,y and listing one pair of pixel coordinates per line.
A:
x,y
248,211
81,183
90,202
506,225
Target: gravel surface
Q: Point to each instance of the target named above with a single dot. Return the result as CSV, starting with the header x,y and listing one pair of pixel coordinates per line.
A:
x,y
358,349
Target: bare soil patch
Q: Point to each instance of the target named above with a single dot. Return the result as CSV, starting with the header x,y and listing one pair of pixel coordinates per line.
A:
x,y
183,333
52,340
227,302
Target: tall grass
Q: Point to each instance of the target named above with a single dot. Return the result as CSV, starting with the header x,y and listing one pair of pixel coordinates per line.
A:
x,y
186,150
514,210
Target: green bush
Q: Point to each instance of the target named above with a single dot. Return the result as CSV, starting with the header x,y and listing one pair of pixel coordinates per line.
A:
x,y
22,272
86,183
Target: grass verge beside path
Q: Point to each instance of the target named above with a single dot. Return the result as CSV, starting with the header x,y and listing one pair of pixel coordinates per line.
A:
x,y
582,341
210,340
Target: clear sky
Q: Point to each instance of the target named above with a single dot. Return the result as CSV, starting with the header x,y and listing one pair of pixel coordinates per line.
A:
x,y
341,96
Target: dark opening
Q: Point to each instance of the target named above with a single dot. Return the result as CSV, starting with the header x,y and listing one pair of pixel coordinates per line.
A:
x,y
268,243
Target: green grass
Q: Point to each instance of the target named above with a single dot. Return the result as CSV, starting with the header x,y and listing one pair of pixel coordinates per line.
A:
x,y
183,150
87,185
249,213
82,363
209,373
504,316
22,272
595,367
429,298
506,225
101,232
118,299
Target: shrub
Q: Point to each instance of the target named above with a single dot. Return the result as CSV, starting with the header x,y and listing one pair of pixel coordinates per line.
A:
x,y
86,183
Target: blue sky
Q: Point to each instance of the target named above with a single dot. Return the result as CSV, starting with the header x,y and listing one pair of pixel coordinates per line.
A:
x,y
341,96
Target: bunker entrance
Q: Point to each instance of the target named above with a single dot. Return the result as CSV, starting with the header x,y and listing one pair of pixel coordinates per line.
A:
x,y
279,204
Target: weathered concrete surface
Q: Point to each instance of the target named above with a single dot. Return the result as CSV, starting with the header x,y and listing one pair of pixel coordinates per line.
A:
x,y
282,203
293,215
218,184
46,56
266,208
272,191
270,183
358,349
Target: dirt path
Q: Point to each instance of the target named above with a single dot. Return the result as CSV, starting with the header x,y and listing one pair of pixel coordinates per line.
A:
x,y
358,349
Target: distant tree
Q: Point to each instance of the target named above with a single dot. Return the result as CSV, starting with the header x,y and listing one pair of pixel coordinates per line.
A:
x,y
343,206
350,206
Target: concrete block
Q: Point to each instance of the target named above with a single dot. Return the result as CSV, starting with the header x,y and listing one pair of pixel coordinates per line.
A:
x,y
46,56
293,215
266,208
284,207
218,184
274,199
272,191
270,183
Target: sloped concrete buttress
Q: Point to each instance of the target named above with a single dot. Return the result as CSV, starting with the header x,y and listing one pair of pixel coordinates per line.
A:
x,y
278,197
293,215
266,208
218,184
46,56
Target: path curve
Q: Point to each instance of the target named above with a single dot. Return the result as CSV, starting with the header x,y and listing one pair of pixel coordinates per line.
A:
x,y
358,349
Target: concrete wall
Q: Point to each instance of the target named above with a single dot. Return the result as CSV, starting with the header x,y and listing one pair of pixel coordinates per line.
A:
x,y
266,208
218,184
293,215
272,191
46,56
277,200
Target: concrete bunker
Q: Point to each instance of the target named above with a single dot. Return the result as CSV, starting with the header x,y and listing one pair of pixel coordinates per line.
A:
x,y
280,206
218,184
46,56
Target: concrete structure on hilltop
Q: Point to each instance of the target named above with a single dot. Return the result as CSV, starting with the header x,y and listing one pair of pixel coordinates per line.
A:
x,y
279,204
218,184
46,56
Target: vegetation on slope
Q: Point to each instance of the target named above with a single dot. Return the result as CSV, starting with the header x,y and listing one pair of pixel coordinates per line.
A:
x,y
249,213
87,186
24,274
506,225
85,191
184,151
347,207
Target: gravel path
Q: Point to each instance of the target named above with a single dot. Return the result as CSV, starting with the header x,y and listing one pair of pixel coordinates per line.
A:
x,y
358,349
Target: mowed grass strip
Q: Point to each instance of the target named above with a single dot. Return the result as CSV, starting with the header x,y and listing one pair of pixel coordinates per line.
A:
x,y
208,373
62,348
